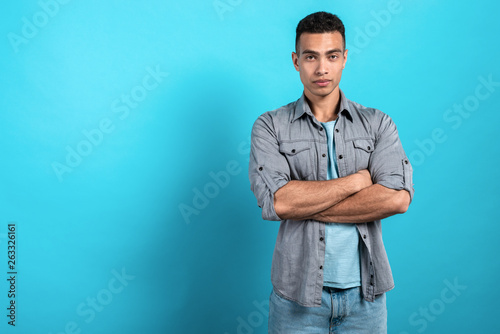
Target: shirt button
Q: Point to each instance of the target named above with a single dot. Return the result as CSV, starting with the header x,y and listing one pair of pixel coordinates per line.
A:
x,y
260,168
371,276
336,130
320,129
320,267
323,155
368,148
293,151
364,236
371,264
406,162
321,239
340,156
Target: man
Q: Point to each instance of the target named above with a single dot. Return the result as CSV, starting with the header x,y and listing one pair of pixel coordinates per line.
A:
x,y
329,169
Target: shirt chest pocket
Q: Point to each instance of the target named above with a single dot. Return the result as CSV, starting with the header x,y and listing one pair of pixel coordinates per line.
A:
x,y
363,149
299,158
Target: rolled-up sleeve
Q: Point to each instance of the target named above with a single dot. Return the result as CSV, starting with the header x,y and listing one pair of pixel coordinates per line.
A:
x,y
268,169
389,165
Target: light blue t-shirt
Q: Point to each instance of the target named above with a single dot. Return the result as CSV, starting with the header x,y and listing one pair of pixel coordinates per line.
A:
x,y
341,268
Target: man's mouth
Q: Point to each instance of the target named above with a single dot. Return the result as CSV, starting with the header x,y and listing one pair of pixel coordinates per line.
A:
x,y
322,83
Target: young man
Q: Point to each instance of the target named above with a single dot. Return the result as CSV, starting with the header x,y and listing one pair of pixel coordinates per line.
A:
x,y
329,169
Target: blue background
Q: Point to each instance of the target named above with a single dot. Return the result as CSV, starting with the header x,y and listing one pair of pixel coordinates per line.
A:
x,y
222,64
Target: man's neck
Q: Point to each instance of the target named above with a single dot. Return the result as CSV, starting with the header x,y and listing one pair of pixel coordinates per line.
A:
x,y
324,108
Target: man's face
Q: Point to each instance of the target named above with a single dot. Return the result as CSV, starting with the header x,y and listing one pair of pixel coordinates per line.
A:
x,y
320,61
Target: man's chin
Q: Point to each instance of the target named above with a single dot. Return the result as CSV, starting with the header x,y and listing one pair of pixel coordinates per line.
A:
x,y
321,92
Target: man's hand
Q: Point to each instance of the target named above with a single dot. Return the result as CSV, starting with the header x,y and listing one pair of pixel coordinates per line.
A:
x,y
364,179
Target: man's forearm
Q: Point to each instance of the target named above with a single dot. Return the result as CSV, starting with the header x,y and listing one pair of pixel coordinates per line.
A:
x,y
371,203
305,198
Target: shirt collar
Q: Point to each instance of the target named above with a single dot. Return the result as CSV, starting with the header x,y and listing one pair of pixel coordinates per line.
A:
x,y
302,107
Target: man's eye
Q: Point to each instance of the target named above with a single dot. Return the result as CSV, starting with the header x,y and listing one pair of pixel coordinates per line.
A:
x,y
333,57
309,57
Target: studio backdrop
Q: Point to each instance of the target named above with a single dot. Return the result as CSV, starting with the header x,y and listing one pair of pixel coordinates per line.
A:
x,y
125,204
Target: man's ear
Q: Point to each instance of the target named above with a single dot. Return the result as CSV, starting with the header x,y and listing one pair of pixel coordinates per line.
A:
x,y
345,58
295,60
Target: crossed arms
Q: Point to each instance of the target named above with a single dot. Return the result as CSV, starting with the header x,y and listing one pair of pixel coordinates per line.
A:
x,y
363,196
350,199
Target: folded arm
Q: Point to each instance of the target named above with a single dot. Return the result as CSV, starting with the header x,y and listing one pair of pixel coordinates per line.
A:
x,y
369,204
298,199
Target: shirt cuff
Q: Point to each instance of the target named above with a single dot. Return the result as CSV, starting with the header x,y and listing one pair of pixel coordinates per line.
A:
x,y
400,182
268,211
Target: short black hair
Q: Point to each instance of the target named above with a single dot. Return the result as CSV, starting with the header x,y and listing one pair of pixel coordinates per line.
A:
x,y
318,23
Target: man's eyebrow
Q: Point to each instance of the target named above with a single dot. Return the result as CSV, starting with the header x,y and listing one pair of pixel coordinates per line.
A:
x,y
327,52
334,51
311,52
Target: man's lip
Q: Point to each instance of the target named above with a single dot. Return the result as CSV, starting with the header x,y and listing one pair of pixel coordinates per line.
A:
x,y
323,83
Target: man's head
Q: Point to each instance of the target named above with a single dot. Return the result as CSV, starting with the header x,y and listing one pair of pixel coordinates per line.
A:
x,y
320,55
317,23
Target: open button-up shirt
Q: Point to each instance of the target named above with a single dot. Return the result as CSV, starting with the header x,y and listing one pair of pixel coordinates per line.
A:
x,y
289,144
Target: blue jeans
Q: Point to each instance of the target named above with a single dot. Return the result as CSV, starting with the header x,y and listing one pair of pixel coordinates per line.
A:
x,y
341,311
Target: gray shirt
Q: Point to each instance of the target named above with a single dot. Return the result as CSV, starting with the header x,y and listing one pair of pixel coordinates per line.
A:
x,y
289,143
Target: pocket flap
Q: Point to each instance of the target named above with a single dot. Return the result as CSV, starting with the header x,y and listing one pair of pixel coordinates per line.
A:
x,y
364,144
294,147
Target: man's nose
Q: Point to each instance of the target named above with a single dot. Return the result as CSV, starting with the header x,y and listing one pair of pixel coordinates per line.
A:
x,y
322,68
